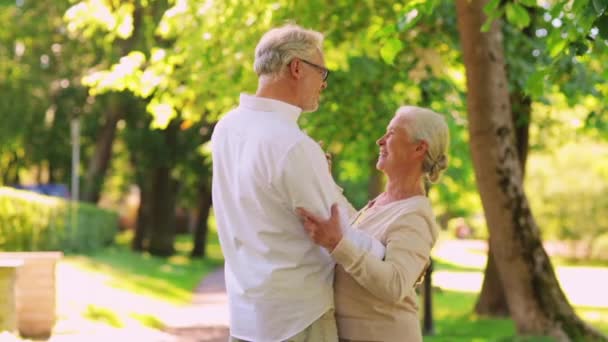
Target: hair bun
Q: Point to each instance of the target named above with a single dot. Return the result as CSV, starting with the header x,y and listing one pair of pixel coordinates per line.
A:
x,y
437,166
442,162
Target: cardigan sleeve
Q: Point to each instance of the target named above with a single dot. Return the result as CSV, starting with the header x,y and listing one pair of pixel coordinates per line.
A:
x,y
408,246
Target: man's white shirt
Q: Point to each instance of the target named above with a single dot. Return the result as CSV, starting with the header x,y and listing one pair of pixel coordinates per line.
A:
x,y
264,167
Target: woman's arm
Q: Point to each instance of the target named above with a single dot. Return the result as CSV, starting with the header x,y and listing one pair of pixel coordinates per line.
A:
x,y
408,247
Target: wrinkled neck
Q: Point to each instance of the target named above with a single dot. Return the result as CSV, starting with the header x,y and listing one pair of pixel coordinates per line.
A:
x,y
278,89
401,188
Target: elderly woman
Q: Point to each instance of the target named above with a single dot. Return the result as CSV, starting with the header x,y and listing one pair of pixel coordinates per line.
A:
x,y
375,299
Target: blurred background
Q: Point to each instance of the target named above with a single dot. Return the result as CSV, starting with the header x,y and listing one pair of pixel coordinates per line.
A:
x,y
107,108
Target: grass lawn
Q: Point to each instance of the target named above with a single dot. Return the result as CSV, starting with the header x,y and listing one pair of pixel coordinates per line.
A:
x,y
455,320
170,279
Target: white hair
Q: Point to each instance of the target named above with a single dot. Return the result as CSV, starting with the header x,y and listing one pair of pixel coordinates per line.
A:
x,y
424,124
280,45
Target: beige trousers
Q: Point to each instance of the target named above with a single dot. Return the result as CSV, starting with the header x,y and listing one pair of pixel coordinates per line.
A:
x,y
322,330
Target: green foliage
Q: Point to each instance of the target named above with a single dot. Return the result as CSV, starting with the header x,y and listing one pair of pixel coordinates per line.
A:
x,y
41,89
600,6
517,15
30,222
493,10
567,191
602,24
390,49
185,63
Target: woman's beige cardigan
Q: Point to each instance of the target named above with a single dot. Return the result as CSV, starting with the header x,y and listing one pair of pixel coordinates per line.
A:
x,y
375,299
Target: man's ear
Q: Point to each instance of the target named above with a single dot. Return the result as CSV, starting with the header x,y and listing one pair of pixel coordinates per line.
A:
x,y
295,68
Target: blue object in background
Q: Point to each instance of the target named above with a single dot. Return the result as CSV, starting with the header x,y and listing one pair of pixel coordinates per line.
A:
x,y
56,190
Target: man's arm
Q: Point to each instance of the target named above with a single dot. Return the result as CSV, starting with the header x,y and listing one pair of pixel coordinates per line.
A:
x,y
304,180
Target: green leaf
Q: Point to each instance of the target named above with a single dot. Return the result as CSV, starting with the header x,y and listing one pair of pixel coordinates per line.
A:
x,y
386,31
579,48
557,9
390,49
600,6
536,83
528,3
578,5
491,7
557,47
517,15
602,24
491,17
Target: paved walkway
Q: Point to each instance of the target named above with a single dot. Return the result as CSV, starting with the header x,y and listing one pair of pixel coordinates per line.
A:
x,y
207,319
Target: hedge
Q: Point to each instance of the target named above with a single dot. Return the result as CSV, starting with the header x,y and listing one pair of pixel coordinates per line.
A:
x,y
33,222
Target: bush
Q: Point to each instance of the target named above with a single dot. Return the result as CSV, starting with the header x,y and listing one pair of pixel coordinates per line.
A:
x,y
599,249
567,191
30,221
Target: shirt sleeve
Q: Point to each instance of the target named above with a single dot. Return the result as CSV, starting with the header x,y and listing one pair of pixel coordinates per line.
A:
x,y
408,248
345,206
305,181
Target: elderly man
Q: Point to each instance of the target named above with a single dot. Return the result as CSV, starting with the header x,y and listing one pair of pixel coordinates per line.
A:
x,y
279,283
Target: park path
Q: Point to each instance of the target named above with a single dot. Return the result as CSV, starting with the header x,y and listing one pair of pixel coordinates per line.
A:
x,y
207,319
204,320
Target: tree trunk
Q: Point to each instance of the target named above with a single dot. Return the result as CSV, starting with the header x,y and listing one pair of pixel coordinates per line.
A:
x,y
521,114
492,300
101,158
139,242
202,216
162,224
536,301
10,174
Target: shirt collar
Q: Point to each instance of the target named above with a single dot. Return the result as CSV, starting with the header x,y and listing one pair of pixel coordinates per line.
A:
x,y
270,105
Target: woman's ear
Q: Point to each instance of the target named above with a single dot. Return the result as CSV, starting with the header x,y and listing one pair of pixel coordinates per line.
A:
x,y
422,147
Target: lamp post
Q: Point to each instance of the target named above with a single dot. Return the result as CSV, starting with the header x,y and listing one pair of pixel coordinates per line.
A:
x,y
73,212
428,327
75,130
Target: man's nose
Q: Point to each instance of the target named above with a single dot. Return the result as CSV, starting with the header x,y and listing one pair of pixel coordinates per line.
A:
x,y
324,85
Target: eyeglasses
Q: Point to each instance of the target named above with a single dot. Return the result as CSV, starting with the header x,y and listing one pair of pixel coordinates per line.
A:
x,y
324,71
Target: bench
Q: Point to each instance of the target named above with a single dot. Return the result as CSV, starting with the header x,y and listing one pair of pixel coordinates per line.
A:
x,y
8,300
35,291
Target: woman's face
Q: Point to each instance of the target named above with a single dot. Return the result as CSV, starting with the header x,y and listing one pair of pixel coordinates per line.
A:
x,y
397,150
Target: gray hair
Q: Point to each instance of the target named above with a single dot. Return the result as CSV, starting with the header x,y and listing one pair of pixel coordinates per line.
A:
x,y
424,124
280,45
